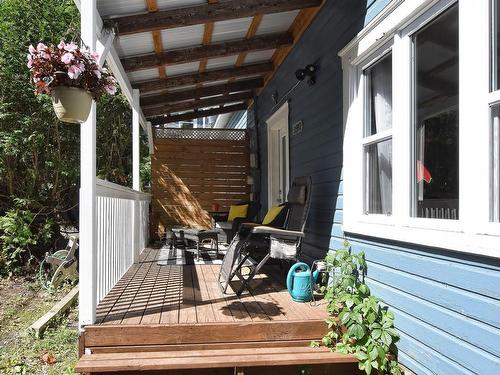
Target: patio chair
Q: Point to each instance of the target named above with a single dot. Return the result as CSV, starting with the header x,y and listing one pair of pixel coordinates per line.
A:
x,y
279,243
230,228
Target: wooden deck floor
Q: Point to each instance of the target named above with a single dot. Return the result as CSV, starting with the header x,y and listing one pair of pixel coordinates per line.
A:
x,y
181,294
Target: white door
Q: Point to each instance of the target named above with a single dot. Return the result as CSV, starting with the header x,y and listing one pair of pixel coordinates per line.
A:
x,y
278,156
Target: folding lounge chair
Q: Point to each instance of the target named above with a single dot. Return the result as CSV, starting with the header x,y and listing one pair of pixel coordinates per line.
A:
x,y
278,243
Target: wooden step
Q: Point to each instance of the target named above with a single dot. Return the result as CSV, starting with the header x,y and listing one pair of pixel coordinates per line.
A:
x,y
202,333
210,359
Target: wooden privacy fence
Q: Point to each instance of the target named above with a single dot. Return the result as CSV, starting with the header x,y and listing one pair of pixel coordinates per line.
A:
x,y
191,170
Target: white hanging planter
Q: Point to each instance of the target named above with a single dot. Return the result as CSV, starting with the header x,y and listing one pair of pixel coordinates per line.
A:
x,y
71,104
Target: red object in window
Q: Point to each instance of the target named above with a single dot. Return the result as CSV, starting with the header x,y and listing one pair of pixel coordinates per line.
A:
x,y
215,207
423,173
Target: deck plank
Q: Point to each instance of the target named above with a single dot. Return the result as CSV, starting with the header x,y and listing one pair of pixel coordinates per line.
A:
x,y
170,311
234,304
122,304
152,294
204,309
187,308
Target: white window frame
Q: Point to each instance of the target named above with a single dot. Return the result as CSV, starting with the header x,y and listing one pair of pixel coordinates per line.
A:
x,y
393,28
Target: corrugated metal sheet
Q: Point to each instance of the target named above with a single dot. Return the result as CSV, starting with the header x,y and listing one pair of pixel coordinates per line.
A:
x,y
170,4
221,62
134,44
120,7
143,75
175,70
186,36
231,29
272,23
259,56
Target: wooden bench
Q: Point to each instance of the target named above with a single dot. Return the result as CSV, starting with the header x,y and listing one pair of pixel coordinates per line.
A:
x,y
238,358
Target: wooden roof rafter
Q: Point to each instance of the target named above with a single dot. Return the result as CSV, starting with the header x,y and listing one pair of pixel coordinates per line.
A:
x,y
207,76
192,54
201,14
199,103
200,92
198,113
157,38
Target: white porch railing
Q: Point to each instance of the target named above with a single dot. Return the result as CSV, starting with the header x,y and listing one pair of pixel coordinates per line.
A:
x,y
122,232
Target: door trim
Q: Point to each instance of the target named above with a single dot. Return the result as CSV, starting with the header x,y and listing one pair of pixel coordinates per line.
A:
x,y
273,123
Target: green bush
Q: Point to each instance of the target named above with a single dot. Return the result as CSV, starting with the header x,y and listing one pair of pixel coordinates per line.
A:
x,y
358,324
20,232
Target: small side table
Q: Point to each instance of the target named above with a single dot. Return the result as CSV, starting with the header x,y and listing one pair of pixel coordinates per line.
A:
x,y
197,235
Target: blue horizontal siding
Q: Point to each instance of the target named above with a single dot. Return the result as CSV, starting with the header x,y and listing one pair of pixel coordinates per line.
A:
x,y
447,305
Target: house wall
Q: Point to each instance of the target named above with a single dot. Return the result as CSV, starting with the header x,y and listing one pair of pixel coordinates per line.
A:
x,y
447,304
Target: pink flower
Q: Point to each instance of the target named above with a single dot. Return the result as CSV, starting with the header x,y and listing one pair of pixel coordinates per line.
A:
x,y
30,61
67,58
45,55
41,47
70,47
110,89
97,73
95,55
74,71
32,49
61,44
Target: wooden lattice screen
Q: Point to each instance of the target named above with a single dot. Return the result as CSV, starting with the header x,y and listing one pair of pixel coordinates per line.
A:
x,y
191,170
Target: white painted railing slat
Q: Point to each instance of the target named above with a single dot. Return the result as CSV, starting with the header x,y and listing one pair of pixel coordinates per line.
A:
x,y
116,229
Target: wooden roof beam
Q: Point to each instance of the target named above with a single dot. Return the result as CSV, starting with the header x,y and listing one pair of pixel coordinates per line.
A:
x,y
186,55
207,76
197,104
202,14
200,92
198,114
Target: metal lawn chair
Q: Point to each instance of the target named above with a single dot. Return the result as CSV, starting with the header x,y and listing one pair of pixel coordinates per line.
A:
x,y
278,243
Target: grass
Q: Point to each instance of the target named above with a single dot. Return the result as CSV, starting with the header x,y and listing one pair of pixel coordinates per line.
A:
x,y
21,303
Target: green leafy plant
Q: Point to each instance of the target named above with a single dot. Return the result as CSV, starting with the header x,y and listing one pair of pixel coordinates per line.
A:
x,y
358,323
20,230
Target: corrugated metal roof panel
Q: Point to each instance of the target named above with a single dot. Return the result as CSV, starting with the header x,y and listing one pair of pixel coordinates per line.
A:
x,y
170,4
134,44
231,29
259,56
186,36
120,7
221,62
143,75
276,22
175,70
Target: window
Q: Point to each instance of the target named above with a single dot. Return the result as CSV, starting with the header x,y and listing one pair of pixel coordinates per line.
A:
x,y
377,141
422,126
436,118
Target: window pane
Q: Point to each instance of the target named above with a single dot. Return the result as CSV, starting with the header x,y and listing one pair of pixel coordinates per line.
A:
x,y
495,165
436,117
495,45
379,96
379,178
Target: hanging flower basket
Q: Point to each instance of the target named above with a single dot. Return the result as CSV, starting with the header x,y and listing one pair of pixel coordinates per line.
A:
x,y
71,76
71,104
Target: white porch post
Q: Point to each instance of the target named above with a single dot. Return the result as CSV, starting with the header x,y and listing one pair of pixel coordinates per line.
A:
x,y
136,183
88,258
135,141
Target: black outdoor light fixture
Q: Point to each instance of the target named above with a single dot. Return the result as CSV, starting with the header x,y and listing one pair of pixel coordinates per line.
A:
x,y
309,71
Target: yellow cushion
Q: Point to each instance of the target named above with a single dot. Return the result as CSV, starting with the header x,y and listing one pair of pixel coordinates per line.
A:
x,y
272,214
237,211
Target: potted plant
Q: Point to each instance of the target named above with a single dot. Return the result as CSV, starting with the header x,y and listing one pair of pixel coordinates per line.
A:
x,y
71,76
